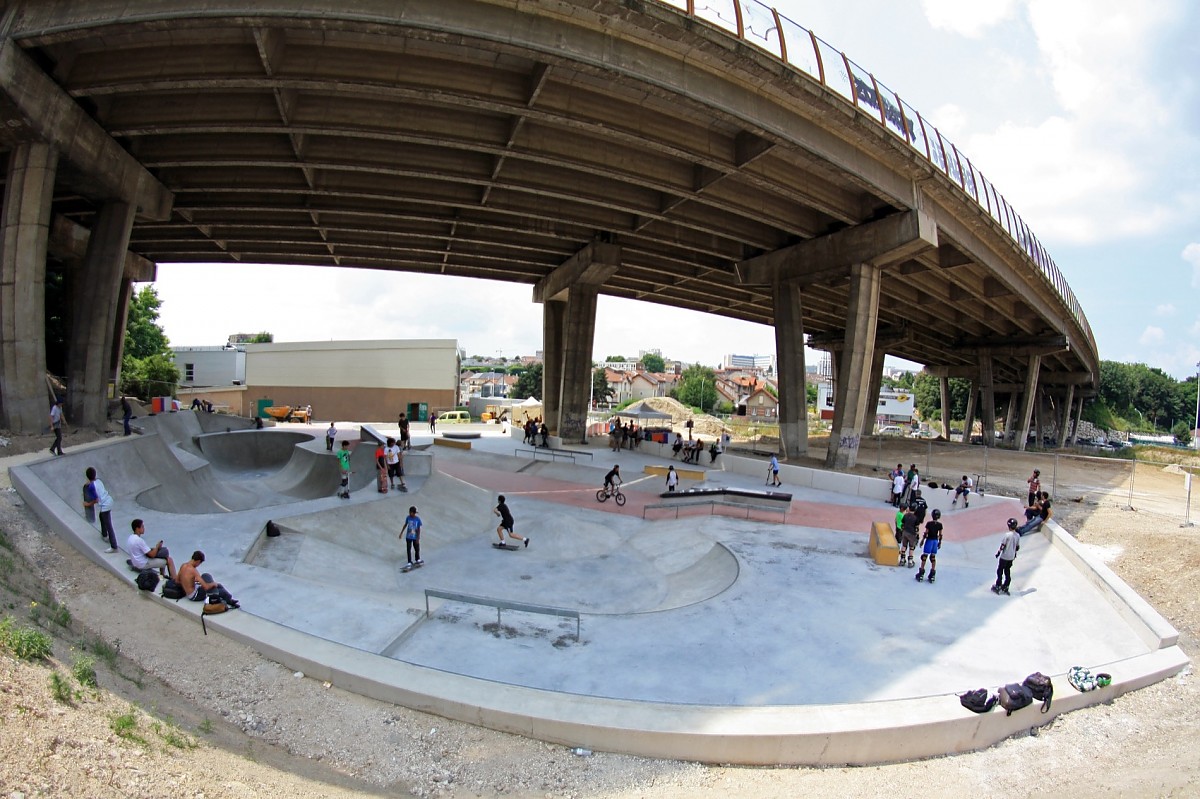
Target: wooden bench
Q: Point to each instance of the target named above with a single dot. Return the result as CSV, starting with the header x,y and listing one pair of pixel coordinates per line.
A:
x,y
451,442
883,547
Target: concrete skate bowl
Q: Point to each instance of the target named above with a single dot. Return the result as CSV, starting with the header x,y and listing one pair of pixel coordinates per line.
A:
x,y
246,469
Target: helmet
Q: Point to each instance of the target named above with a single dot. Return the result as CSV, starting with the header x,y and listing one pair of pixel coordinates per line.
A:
x,y
1012,524
937,514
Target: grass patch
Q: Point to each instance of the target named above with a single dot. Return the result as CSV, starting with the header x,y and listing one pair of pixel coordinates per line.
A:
x,y
61,690
206,726
84,671
172,736
7,564
25,643
108,653
4,542
126,726
51,611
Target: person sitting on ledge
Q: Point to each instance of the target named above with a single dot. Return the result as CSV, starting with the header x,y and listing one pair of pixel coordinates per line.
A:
x,y
197,586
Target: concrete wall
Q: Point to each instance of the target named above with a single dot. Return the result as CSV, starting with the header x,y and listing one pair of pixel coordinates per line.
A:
x,y
212,366
226,398
359,380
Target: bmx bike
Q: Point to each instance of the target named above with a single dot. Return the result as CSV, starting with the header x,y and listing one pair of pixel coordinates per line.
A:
x,y
615,492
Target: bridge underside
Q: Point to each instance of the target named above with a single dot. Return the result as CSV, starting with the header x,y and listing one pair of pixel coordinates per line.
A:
x,y
471,139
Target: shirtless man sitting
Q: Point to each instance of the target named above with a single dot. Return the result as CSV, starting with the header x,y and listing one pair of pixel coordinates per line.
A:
x,y
197,586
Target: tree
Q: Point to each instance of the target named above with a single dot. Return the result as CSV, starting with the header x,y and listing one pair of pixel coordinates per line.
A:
x,y
927,395
810,395
697,387
601,391
1183,433
144,336
653,363
614,359
147,363
529,383
261,338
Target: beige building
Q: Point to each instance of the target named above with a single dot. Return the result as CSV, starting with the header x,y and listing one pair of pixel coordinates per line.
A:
x,y
365,381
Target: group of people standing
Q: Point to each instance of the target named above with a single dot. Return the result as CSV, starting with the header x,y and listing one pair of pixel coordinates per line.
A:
x,y
535,428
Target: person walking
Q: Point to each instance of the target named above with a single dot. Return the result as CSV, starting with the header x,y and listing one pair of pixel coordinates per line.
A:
x,y
412,538
126,414
96,496
56,423
330,435
1035,487
506,522
1010,545
672,479
433,422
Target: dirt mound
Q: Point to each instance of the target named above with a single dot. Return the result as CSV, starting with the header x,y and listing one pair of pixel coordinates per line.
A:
x,y
703,424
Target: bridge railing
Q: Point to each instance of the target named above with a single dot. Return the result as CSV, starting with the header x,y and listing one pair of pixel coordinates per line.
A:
x,y
767,29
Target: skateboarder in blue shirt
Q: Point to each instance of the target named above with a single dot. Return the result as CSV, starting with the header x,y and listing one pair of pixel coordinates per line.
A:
x,y
506,523
412,538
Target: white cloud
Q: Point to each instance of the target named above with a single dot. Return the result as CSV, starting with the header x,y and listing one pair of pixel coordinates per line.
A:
x,y
1152,335
966,19
1191,254
1166,309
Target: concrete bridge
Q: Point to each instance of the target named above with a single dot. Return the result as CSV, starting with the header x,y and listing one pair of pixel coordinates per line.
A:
x,y
722,159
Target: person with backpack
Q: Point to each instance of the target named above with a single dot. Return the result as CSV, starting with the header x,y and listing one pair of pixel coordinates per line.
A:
x,y
142,556
1005,555
96,497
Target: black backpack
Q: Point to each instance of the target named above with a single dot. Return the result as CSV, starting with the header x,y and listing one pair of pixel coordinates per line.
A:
x,y
172,590
1041,688
977,701
1015,696
147,579
272,529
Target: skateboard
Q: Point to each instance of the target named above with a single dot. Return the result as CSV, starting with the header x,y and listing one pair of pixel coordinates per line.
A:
x,y
411,566
505,546
382,481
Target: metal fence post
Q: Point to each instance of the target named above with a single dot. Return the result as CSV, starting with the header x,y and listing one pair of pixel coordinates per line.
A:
x,y
1132,474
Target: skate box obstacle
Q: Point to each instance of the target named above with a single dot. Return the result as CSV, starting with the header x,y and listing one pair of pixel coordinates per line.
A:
x,y
883,547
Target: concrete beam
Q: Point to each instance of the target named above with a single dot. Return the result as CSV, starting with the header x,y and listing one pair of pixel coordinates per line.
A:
x,y
69,241
35,108
882,243
591,266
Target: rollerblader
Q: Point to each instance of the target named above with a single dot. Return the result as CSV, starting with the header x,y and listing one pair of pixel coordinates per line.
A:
x,y
908,537
343,456
1005,555
964,491
506,523
931,541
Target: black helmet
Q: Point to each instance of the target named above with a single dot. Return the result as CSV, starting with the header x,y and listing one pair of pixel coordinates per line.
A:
x,y
1012,524
937,514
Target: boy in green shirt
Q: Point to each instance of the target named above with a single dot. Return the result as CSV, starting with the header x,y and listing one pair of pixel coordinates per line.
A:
x,y
343,456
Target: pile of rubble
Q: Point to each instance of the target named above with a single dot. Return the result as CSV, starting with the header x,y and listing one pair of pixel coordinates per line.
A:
x,y
702,423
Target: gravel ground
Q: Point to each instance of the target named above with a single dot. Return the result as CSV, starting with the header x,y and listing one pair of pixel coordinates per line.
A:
x,y
183,715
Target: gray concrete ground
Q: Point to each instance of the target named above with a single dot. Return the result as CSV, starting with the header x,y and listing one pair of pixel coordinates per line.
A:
x,y
702,611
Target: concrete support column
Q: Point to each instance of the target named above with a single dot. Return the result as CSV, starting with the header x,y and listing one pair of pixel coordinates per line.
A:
x,y
1078,414
789,358
580,330
944,388
93,315
1027,399
969,421
1065,416
120,322
1039,415
854,370
554,314
987,401
871,411
24,235
1010,416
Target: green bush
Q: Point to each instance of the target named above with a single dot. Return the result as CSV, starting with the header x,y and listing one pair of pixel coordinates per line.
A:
x,y
60,689
84,670
25,643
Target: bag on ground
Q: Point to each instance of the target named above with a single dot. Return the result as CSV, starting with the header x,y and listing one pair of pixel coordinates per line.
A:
x,y
172,590
977,701
1041,688
272,529
1083,680
214,604
147,579
1015,696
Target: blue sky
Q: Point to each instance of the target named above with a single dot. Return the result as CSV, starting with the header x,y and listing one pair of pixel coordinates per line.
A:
x,y
1085,114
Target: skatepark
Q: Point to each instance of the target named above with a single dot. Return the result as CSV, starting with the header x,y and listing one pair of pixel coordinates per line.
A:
x,y
703,632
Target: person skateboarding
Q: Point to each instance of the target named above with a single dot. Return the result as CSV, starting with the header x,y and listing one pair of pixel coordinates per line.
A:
x,y
412,539
506,524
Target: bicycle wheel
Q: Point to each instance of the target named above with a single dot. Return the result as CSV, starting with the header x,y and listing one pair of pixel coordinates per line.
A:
x,y
620,498
601,495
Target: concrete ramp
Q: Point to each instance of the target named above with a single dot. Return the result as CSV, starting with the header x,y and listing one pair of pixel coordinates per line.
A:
x,y
250,450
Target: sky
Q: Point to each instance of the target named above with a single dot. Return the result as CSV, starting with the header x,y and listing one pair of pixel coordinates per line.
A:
x,y
1085,114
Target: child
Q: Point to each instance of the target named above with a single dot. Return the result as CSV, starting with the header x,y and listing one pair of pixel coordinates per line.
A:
x,y
672,479
963,490
908,537
931,541
1010,545
897,488
412,538
343,456
506,523
330,435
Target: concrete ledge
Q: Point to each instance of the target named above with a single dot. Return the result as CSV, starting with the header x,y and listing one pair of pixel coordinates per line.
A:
x,y
1156,631
883,547
684,474
451,442
461,436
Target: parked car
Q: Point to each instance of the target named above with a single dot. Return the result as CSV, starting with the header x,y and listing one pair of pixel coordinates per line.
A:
x,y
891,430
924,434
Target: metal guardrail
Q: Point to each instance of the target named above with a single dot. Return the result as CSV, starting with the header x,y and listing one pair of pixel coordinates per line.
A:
x,y
711,503
800,48
499,604
554,454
